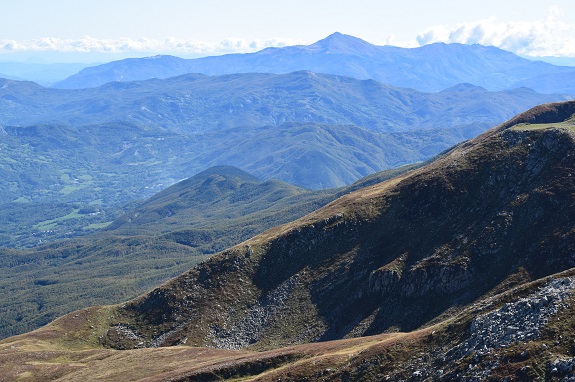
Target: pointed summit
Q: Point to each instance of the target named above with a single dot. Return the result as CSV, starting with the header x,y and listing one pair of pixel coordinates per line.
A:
x,y
343,43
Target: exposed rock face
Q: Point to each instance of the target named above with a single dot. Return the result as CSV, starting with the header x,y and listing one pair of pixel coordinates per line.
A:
x,y
440,278
518,321
386,278
503,340
391,256
429,275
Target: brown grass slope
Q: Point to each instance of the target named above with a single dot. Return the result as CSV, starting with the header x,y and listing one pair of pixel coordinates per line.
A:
x,y
422,253
62,351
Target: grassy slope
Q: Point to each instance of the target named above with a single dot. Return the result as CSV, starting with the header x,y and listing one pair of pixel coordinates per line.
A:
x,y
568,124
67,350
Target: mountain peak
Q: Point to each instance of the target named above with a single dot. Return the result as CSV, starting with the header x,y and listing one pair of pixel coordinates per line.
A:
x,y
463,87
343,43
226,172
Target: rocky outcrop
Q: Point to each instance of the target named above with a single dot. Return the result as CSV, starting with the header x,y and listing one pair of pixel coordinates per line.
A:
x,y
386,279
437,278
430,275
240,330
517,321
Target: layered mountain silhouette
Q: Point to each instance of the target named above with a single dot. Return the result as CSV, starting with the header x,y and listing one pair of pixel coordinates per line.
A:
x,y
430,68
123,141
193,102
464,262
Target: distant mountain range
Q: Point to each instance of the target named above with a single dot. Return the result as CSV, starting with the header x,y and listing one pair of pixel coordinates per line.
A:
x,y
45,74
430,68
195,103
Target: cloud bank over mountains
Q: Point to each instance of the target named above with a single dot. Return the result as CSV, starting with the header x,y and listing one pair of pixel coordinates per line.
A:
x,y
549,36
91,44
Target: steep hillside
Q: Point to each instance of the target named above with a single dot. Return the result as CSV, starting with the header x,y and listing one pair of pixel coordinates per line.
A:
x,y
429,68
158,239
468,258
494,207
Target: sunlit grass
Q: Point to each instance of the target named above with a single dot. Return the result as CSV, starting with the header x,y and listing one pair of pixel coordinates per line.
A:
x,y
50,224
568,124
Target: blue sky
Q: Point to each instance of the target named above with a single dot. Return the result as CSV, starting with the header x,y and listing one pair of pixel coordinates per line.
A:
x,y
88,30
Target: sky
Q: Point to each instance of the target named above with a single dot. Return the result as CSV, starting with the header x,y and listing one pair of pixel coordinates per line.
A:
x,y
92,30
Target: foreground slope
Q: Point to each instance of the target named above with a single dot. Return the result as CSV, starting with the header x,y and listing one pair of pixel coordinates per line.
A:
x,y
391,256
523,334
447,252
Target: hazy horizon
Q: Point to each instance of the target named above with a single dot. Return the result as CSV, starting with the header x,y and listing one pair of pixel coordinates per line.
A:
x,y
103,31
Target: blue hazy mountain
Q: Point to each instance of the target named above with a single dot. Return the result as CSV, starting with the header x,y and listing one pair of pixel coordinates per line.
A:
x,y
563,82
195,102
123,141
45,74
429,68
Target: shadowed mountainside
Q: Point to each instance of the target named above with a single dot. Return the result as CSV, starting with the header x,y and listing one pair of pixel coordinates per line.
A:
x,y
373,260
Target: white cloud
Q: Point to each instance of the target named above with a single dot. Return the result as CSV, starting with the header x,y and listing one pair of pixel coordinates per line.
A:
x,y
549,36
171,45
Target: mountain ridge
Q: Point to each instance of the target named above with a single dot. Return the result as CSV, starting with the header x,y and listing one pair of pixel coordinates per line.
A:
x,y
191,101
429,68
282,261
